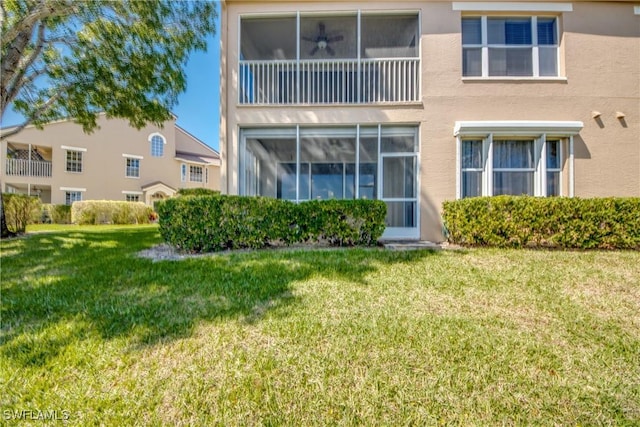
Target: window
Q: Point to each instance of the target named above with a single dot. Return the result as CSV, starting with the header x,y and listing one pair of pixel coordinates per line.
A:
x,y
554,167
183,173
472,168
157,145
132,197
72,196
509,46
74,161
195,173
132,169
515,167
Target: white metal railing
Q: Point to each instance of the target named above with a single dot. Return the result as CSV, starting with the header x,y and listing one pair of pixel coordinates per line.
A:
x,y
336,81
20,167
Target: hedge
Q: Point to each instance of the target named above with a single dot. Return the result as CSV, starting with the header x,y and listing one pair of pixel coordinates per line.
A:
x,y
197,192
56,214
110,212
214,223
20,210
522,221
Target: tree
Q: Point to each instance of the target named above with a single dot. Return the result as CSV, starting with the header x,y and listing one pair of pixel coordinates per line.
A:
x,y
73,59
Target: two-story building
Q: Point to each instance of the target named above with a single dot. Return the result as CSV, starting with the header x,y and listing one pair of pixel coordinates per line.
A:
x,y
62,164
417,102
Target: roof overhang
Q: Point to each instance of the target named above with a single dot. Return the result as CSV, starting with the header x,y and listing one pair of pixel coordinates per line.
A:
x,y
196,159
517,127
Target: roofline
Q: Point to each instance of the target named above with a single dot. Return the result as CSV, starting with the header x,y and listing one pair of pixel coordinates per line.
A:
x,y
70,119
198,140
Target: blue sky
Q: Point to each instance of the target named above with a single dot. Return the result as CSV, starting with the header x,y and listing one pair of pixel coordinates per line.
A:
x,y
198,108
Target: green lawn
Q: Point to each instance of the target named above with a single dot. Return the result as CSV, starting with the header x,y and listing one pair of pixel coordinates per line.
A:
x,y
318,337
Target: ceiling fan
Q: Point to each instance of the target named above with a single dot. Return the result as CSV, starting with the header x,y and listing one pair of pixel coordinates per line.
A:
x,y
322,41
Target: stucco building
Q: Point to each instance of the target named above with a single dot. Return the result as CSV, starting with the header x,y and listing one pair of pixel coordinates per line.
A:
x,y
62,164
417,102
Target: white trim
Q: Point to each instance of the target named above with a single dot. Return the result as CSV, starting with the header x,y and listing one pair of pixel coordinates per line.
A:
x,y
66,147
554,128
132,156
72,189
164,140
513,78
571,167
636,10
466,6
135,193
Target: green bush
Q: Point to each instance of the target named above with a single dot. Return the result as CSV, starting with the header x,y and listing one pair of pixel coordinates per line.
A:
x,y
56,214
197,192
110,212
510,221
214,223
20,210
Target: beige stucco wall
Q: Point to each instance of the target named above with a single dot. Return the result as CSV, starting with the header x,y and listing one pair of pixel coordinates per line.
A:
x,y
103,174
600,58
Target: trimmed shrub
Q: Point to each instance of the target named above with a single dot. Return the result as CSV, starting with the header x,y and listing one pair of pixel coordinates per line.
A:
x,y
109,212
197,192
20,210
214,223
60,214
56,214
521,221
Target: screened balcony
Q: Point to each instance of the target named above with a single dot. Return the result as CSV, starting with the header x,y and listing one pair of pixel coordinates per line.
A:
x,y
28,160
317,59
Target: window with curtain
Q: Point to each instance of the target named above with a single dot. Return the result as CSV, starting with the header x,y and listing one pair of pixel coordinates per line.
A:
x,y
509,46
510,166
472,168
513,167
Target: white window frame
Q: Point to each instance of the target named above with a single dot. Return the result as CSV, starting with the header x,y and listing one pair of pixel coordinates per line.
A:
x,y
128,169
534,46
72,190
538,131
151,140
78,162
183,172
191,174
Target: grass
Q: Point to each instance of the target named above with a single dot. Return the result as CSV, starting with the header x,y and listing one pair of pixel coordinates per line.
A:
x,y
317,337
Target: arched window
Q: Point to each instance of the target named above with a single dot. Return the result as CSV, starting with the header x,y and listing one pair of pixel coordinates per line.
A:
x,y
157,144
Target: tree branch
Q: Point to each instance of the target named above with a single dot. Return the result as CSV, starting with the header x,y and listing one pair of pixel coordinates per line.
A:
x,y
13,86
34,116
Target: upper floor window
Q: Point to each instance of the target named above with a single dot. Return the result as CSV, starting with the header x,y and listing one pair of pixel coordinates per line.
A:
x,y
74,161
503,46
157,144
132,169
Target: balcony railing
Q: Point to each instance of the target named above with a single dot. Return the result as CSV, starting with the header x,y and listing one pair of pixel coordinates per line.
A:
x,y
20,167
348,81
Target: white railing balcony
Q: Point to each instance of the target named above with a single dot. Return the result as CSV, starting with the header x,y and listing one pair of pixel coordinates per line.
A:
x,y
20,167
339,81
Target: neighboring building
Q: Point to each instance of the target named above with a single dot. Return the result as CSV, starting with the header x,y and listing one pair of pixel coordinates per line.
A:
x,y
418,102
62,164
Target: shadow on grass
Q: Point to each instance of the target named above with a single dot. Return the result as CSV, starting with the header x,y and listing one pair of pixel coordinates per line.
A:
x,y
61,287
